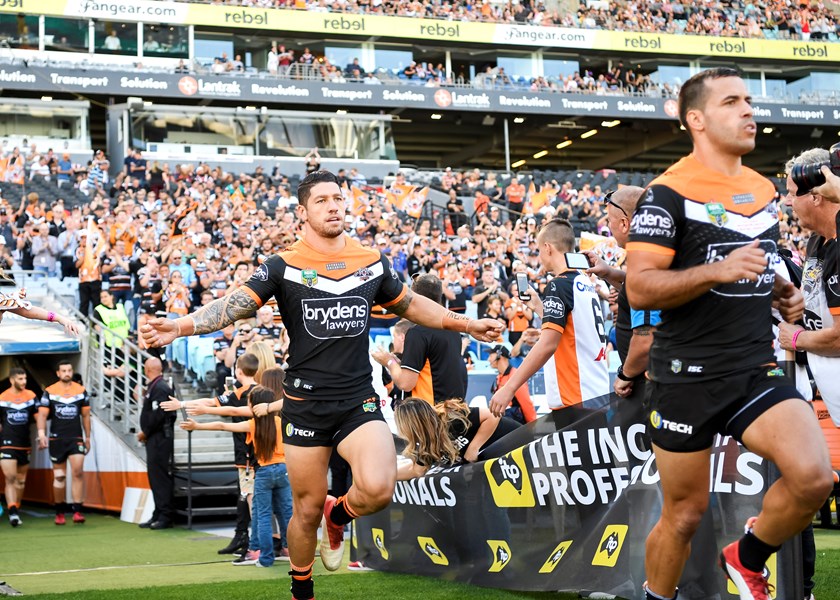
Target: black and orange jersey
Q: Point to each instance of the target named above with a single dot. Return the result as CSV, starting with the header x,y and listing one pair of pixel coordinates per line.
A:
x,y
17,410
698,216
325,300
436,355
238,397
66,403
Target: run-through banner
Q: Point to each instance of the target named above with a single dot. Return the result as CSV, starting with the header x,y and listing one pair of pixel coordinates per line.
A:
x,y
566,504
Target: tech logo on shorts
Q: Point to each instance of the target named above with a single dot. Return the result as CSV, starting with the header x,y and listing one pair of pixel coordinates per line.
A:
x,y
556,555
292,431
379,541
501,555
509,481
430,549
606,555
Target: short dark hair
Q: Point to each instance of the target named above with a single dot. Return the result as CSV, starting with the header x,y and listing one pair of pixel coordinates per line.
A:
x,y
62,362
559,233
311,181
15,371
249,364
693,92
428,285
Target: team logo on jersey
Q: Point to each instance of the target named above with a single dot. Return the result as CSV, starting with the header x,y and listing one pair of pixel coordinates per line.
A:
x,y
261,274
309,277
370,406
777,372
609,547
559,552
676,366
509,480
379,542
501,555
430,549
717,213
364,274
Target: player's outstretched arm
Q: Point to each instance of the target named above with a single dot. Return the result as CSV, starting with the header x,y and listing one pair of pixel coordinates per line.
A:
x,y
537,357
424,311
239,304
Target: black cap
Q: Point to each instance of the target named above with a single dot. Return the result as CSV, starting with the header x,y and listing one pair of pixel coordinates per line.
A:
x,y
501,350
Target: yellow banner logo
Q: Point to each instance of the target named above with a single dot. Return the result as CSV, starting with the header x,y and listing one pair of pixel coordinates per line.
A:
x,y
610,546
430,549
509,481
379,542
501,555
558,553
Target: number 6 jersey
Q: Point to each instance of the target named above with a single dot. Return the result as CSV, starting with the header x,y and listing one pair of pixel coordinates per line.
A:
x,y
577,371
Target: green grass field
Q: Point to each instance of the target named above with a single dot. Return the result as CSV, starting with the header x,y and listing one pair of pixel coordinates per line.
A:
x,y
106,559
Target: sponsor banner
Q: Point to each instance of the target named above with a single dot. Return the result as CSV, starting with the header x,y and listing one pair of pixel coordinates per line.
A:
x,y
271,92
418,30
565,504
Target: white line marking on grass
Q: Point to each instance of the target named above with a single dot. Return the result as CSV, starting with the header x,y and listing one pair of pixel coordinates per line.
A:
x,y
114,567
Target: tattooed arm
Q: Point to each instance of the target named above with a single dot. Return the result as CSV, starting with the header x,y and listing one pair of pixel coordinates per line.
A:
x,y
217,315
424,311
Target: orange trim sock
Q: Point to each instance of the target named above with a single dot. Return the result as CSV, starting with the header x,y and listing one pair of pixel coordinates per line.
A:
x,y
342,513
303,588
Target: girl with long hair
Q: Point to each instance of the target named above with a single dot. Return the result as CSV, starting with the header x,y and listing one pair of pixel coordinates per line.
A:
x,y
272,492
428,442
472,429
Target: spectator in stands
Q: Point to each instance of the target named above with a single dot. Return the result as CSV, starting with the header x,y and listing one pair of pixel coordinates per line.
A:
x,y
455,288
455,206
182,67
7,231
486,287
45,251
221,344
24,247
284,60
40,169
521,408
65,171
313,161
354,70
515,195
518,314
236,65
88,261
112,42
272,61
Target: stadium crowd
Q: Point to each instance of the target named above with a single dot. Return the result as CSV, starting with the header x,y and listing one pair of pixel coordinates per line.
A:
x,y
727,18
165,241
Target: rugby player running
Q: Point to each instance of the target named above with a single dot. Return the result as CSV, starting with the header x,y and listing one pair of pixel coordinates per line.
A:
x,y
701,246
325,285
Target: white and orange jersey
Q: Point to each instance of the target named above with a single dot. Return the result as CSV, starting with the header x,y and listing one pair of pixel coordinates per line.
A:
x,y
578,369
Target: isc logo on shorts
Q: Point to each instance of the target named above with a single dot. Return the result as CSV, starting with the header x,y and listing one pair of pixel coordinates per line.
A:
x,y
291,431
659,423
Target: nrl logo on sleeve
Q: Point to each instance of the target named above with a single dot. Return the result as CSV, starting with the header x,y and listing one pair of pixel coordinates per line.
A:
x,y
309,277
261,274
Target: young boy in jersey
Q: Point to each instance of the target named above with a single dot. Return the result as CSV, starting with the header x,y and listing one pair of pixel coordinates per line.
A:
x,y
17,412
65,404
576,364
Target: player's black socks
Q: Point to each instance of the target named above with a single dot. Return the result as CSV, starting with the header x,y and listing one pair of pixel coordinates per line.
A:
x,y
303,588
60,508
753,553
76,507
341,513
13,509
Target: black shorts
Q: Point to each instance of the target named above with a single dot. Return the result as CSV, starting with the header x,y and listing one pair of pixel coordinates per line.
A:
x,y
61,448
18,454
684,417
314,423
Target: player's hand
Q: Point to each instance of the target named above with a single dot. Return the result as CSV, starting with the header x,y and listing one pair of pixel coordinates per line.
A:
x,y
622,388
747,262
786,332
87,445
172,404
69,326
159,332
789,301
141,437
260,410
381,355
43,442
830,190
188,425
500,401
194,410
485,330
